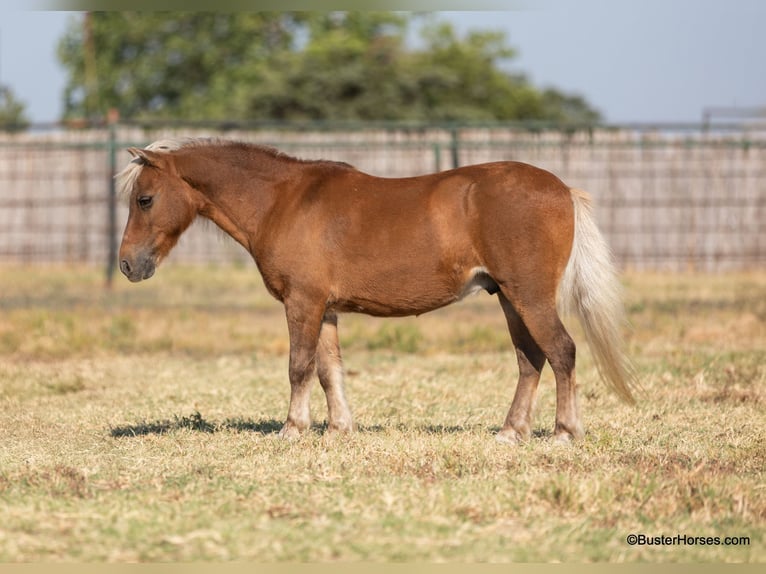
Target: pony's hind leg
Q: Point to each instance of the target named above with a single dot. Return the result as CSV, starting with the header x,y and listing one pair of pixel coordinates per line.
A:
x,y
541,320
531,359
330,371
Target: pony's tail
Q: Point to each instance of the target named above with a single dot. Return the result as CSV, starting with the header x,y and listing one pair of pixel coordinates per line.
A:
x,y
590,290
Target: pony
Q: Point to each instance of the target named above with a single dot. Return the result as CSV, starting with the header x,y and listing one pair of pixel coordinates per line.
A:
x,y
329,239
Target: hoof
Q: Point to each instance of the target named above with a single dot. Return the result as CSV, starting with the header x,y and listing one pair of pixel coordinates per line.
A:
x,y
563,439
341,428
289,432
566,437
510,436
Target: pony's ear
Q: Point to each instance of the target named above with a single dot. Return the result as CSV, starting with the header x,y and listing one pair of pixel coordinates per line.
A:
x,y
145,156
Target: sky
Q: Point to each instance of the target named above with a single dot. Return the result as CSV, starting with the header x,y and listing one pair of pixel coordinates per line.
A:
x,y
634,61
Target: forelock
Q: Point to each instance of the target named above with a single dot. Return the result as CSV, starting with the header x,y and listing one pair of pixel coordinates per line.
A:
x,y
126,179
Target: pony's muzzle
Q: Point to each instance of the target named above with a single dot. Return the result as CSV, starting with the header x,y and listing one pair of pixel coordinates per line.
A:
x,y
138,270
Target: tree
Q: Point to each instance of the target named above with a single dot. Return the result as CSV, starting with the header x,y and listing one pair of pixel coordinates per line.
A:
x,y
351,67
463,79
12,116
562,108
297,66
155,65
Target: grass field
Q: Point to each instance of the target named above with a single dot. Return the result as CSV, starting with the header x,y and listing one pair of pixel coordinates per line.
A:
x,y
140,425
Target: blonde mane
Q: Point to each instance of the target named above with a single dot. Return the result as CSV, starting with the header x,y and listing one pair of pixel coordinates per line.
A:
x,y
126,179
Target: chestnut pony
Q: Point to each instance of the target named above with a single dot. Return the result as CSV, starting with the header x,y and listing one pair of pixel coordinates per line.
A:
x,y
328,239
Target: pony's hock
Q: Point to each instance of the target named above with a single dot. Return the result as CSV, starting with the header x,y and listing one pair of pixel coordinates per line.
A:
x,y
329,239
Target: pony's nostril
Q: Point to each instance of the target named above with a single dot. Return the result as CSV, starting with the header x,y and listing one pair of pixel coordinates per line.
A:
x,y
125,267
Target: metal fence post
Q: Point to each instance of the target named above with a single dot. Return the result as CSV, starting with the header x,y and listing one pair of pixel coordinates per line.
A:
x,y
111,203
455,147
437,156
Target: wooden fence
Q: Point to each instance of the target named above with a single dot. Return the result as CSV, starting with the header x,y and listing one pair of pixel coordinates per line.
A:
x,y
675,198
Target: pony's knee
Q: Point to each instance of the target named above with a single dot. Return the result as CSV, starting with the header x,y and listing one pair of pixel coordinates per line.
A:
x,y
301,368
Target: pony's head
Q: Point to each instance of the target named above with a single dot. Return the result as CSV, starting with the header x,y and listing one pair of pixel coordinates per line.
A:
x,y
161,208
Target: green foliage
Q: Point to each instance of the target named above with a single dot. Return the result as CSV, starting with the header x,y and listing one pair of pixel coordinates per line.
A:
x,y
151,64
12,117
463,79
296,67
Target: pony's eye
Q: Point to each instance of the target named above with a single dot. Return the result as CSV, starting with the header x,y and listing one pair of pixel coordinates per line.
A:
x,y
145,201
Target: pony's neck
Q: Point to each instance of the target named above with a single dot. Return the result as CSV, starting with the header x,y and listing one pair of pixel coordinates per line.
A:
x,y
236,186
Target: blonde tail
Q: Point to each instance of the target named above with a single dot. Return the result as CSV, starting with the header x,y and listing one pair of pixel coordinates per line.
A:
x,y
590,290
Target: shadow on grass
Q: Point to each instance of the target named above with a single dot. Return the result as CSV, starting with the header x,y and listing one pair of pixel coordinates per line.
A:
x,y
196,422
433,429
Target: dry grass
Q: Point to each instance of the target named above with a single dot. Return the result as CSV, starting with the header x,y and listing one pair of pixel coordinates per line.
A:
x,y
139,425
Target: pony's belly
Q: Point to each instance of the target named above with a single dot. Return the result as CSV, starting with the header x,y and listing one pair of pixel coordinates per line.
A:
x,y
413,296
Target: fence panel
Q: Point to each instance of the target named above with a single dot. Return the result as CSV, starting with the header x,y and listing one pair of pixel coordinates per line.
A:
x,y
666,199
53,201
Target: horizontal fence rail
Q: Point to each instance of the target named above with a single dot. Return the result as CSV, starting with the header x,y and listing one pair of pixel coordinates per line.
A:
x,y
667,197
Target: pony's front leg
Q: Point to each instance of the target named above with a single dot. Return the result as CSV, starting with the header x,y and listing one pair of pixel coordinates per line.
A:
x,y
330,371
303,323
